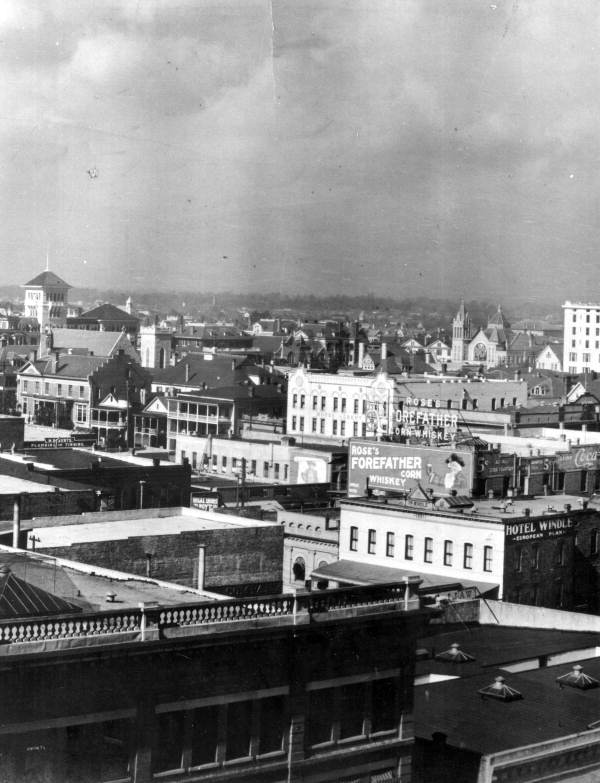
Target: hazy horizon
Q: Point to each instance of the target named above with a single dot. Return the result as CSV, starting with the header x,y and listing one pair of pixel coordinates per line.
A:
x,y
414,148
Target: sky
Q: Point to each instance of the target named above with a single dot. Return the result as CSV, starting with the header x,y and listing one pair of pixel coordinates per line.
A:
x,y
397,147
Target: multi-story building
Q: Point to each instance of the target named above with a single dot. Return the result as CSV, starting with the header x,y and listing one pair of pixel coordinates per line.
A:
x,y
326,407
62,390
581,337
46,299
132,679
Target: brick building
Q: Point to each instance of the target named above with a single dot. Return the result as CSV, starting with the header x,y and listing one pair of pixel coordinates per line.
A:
x,y
156,681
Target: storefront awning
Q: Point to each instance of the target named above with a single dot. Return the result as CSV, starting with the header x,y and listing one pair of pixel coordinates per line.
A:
x,y
438,585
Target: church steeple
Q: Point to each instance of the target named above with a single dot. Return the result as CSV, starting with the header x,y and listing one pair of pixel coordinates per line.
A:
x,y
461,333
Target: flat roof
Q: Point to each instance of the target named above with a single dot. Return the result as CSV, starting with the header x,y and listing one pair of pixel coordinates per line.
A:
x,y
78,458
483,509
12,485
87,586
484,725
99,529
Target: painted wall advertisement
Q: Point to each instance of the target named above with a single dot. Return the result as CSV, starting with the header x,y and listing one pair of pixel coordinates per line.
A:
x,y
309,469
424,418
400,467
534,529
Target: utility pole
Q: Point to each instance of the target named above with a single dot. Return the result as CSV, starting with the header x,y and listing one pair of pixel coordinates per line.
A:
x,y
243,480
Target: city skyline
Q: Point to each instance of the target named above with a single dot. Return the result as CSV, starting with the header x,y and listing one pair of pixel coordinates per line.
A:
x,y
404,149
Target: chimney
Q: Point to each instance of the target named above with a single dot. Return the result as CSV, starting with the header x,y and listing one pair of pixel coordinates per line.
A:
x,y
361,353
16,521
55,362
201,566
186,367
383,351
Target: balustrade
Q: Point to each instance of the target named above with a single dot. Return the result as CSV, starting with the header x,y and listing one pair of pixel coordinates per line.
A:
x,y
208,613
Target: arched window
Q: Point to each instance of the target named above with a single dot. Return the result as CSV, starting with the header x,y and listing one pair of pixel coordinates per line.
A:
x,y
161,358
299,569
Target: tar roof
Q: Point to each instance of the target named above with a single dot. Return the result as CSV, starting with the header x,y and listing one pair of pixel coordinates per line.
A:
x,y
87,586
472,722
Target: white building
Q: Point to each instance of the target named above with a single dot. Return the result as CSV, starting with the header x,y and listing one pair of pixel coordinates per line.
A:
x,y
46,298
581,350
339,406
429,542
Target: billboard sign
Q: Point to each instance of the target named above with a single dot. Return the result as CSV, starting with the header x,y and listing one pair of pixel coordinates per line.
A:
x,y
400,467
424,418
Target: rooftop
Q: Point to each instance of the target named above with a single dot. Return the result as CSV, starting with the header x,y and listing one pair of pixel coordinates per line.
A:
x,y
121,525
455,708
47,278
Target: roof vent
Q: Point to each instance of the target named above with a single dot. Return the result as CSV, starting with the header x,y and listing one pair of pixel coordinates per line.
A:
x,y
577,678
499,690
454,655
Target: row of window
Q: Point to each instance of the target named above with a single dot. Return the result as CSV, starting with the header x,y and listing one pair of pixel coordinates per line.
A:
x,y
320,403
269,469
587,316
52,389
428,549
533,555
318,426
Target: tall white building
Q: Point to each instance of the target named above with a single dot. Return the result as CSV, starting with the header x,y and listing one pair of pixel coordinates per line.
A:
x,y
46,298
581,351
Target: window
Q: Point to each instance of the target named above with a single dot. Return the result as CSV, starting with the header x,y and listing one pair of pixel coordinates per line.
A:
x,y
167,751
353,539
224,463
447,553
342,428
302,400
560,554
301,423
294,401
82,391
518,559
322,426
428,551
205,728
315,401
535,556
352,710
334,427
468,556
335,403
24,386
253,467
320,715
383,712
271,722
239,722
585,358
313,425
80,414
371,541
276,471
389,545
364,429
355,429
323,402
59,390
409,545
294,422
343,404
265,469
594,542
47,388
355,408
487,558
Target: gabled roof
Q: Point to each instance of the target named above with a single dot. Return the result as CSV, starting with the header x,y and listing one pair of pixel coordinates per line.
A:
x,y
68,366
91,342
47,278
108,312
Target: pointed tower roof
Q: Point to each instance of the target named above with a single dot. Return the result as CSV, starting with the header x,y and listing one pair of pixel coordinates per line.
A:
x,y
498,319
462,312
47,278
